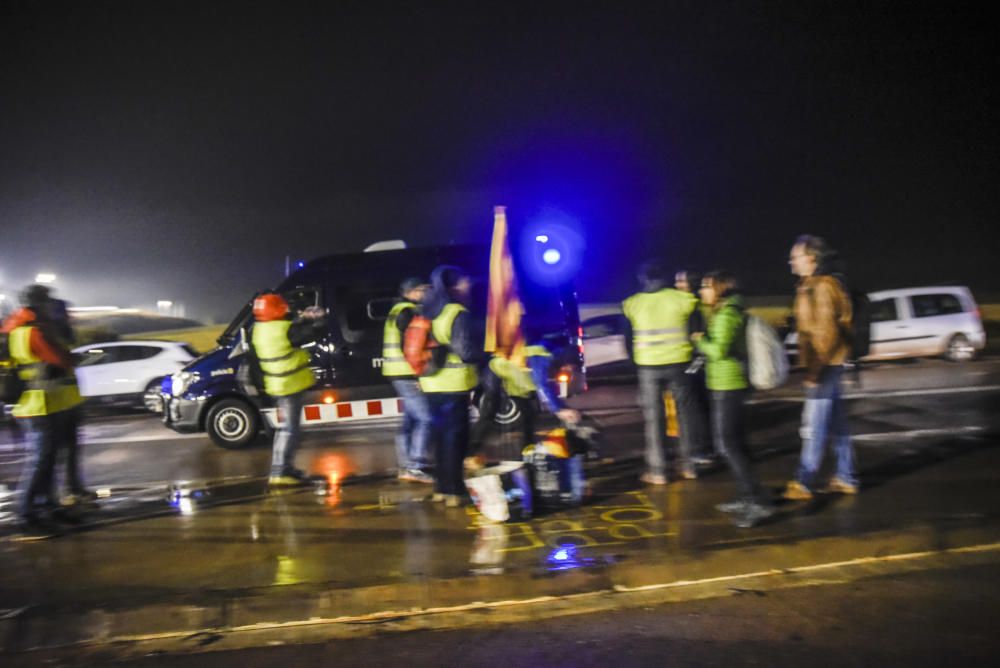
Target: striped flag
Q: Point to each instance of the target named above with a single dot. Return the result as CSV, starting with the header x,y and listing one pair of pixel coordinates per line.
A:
x,y
503,308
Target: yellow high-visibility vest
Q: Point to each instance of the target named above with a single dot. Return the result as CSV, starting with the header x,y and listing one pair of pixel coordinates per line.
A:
x,y
42,396
393,362
456,376
285,368
659,326
516,379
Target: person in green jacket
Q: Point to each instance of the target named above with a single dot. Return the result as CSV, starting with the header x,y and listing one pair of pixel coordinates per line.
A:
x,y
724,348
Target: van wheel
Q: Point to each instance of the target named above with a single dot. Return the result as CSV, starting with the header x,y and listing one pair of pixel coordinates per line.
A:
x,y
959,349
232,423
508,414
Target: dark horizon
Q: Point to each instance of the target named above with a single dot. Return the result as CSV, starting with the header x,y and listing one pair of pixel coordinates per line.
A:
x,y
180,151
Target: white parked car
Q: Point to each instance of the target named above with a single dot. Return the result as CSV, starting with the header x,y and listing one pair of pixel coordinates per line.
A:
x,y
129,372
921,322
604,349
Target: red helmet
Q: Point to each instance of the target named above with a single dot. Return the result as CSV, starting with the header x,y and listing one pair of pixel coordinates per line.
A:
x,y
269,306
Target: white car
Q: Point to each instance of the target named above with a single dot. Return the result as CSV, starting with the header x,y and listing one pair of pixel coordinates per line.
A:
x,y
921,322
129,372
604,346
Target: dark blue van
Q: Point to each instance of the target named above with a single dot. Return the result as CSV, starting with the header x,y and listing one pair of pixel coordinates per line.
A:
x,y
358,290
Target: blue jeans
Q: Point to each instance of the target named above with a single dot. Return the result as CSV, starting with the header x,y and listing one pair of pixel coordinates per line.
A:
x,y
415,432
653,382
38,476
825,414
286,436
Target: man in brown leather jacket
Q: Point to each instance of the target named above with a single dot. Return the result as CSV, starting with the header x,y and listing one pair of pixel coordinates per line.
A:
x,y
823,320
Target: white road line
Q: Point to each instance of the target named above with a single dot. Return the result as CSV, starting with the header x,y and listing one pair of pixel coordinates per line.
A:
x,y
916,433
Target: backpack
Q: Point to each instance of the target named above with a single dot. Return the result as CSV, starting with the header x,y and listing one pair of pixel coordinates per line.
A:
x,y
860,335
420,350
767,363
11,384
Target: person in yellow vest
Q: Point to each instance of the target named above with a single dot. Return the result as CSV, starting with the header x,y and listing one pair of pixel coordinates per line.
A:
x,y
522,383
448,389
415,431
658,321
47,402
287,375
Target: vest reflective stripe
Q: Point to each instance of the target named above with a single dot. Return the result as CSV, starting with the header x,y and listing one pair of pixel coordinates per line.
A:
x,y
393,362
517,380
659,326
42,397
285,368
456,375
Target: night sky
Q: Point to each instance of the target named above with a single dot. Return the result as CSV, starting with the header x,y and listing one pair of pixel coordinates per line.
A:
x,y
174,150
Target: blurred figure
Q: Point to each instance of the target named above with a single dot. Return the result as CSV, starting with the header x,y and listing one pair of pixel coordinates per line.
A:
x,y
522,381
823,321
659,319
287,375
686,280
724,348
447,390
415,430
45,408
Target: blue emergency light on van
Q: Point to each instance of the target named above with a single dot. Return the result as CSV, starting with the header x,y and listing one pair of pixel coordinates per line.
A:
x,y
358,290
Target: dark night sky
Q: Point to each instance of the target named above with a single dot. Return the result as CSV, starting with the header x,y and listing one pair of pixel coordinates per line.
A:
x,y
181,150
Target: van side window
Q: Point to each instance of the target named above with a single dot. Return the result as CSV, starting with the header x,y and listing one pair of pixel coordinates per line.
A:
x,y
884,310
928,306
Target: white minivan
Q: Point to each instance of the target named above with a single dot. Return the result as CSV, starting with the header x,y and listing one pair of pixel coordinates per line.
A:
x,y
921,322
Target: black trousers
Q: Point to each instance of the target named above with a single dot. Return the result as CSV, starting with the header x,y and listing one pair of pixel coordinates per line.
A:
x,y
449,438
729,435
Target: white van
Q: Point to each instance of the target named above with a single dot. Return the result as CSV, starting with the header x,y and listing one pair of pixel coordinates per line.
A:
x,y
921,322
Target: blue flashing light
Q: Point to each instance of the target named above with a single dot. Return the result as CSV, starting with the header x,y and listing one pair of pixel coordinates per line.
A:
x,y
562,554
542,238
551,256
301,264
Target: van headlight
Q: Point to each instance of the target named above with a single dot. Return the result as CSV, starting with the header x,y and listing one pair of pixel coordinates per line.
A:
x,y
181,381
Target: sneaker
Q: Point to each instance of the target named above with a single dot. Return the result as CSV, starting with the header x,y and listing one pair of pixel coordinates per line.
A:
x,y
796,491
288,478
416,475
737,506
687,473
453,500
753,515
840,486
653,478
439,497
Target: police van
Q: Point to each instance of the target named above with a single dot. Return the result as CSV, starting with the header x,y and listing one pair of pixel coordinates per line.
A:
x,y
358,290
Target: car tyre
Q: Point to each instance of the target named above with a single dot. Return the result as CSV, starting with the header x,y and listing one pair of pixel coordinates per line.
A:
x,y
959,349
232,423
151,399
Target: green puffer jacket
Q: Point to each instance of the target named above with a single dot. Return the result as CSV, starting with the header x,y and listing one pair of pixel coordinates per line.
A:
x,y
724,347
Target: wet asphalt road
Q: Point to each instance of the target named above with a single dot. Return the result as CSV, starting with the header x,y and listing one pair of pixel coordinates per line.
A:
x,y
943,617
896,405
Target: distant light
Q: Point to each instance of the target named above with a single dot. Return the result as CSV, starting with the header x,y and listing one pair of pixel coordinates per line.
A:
x,y
542,238
164,304
300,264
45,278
329,397
551,256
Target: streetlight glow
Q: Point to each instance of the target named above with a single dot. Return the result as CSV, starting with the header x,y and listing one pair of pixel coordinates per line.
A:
x,y
45,278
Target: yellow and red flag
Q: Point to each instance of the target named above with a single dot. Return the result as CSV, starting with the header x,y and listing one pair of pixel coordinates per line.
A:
x,y
503,307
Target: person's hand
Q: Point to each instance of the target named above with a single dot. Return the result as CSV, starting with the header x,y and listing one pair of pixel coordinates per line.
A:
x,y
568,415
809,384
314,312
696,335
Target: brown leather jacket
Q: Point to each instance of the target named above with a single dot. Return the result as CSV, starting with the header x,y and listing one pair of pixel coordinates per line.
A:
x,y
823,320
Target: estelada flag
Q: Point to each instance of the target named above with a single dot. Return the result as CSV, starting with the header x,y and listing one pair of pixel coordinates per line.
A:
x,y
504,308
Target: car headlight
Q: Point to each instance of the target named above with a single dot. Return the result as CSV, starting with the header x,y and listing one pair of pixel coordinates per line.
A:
x,y
181,381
